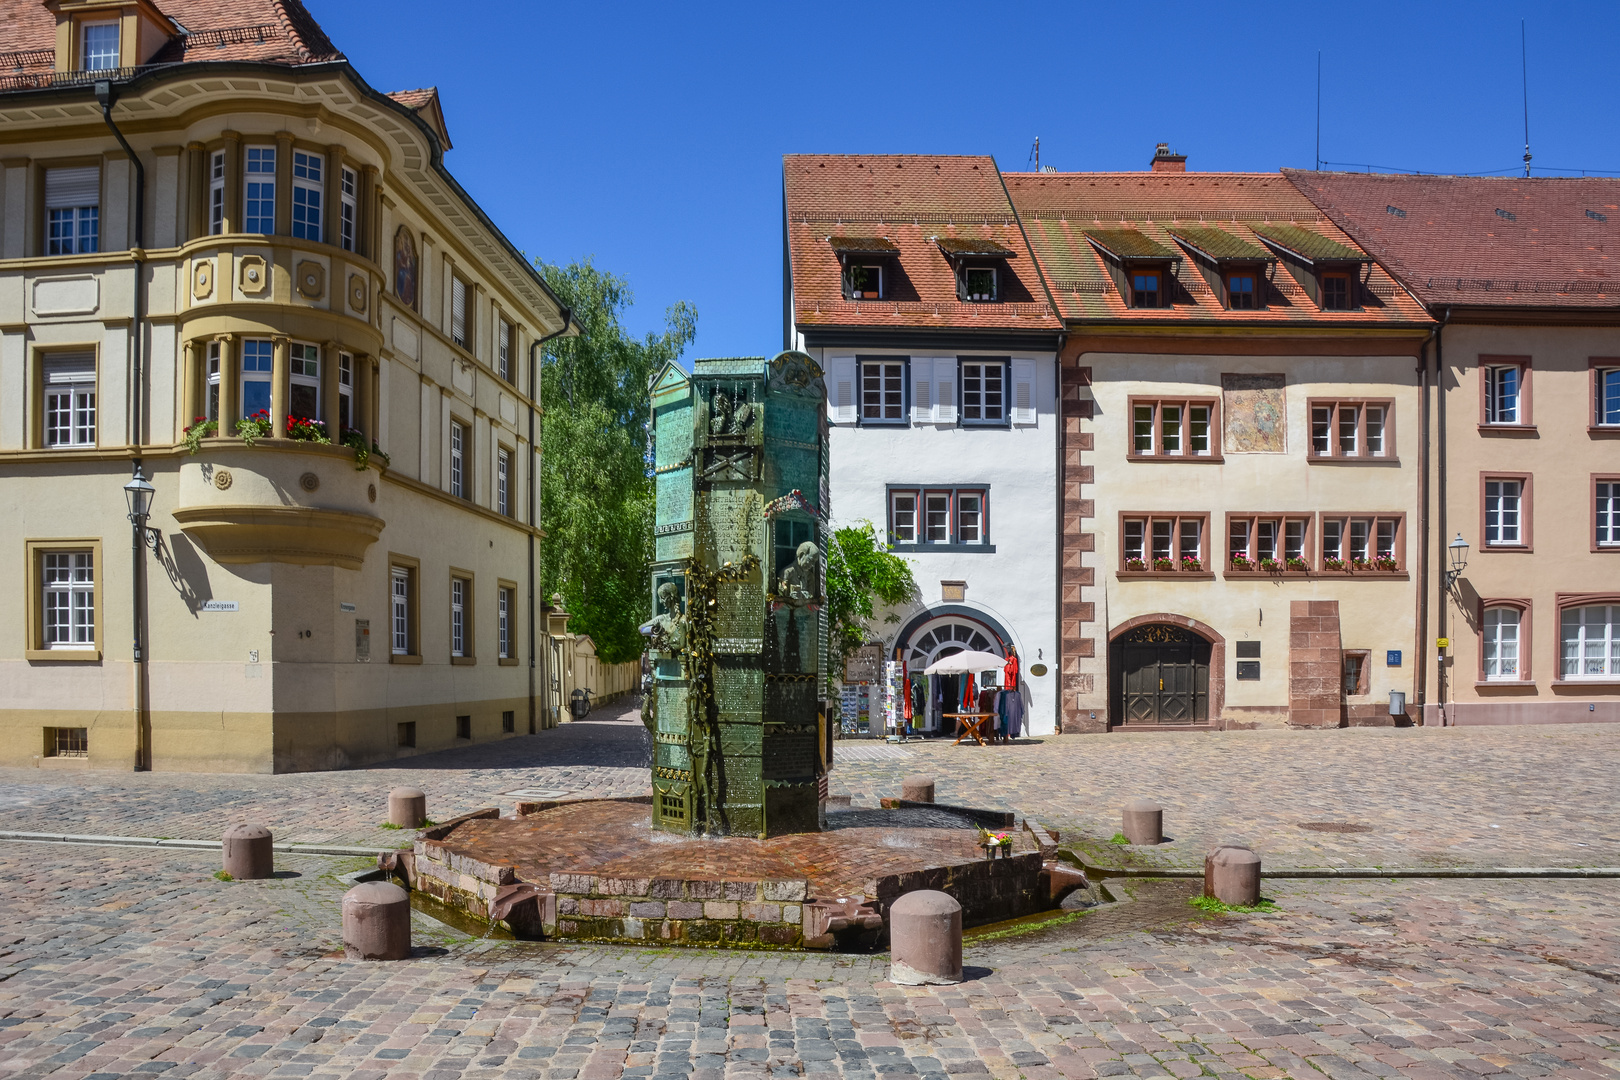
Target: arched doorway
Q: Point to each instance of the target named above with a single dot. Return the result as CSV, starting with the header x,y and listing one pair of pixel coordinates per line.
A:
x,y
933,635
1158,674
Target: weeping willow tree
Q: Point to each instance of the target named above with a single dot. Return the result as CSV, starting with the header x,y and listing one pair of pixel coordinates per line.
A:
x,y
597,492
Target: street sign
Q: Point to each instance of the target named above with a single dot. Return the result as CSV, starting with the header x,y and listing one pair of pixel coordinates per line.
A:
x,y
1392,658
1442,643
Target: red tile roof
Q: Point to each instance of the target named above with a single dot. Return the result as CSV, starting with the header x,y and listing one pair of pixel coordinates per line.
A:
x,y
1483,241
264,31
1059,209
426,104
912,201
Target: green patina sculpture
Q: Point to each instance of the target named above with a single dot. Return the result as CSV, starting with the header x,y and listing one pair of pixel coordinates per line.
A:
x,y
738,637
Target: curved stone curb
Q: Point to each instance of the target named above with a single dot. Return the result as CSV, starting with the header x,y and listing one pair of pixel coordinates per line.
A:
x,y
1103,873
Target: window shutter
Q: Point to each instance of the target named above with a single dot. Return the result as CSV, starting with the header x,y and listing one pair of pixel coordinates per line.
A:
x,y
1023,391
945,385
68,188
458,311
922,390
80,367
841,389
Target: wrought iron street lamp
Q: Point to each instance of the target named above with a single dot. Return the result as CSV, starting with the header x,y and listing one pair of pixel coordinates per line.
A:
x,y
138,495
1457,550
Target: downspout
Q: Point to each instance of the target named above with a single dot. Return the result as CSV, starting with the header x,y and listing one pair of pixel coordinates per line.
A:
x,y
1059,437
137,252
1420,690
534,489
1442,683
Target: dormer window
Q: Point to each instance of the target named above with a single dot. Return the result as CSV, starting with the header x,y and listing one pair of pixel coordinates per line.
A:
x,y
100,46
1143,270
865,260
1240,292
1328,271
863,282
977,284
1232,266
978,263
1145,290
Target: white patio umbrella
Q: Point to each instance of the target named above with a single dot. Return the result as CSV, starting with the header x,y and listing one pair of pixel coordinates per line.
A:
x,y
964,662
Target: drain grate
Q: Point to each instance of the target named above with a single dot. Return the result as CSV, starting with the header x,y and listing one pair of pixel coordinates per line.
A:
x,y
1335,826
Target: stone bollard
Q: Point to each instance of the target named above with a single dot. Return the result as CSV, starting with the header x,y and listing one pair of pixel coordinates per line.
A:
x,y
1232,875
925,939
407,808
917,789
247,852
377,922
1142,822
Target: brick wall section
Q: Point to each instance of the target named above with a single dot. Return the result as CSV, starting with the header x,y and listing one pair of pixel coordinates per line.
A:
x,y
1076,635
1314,665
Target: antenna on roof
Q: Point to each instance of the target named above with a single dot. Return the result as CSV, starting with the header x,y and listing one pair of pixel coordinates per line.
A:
x,y
1318,110
1524,68
1035,154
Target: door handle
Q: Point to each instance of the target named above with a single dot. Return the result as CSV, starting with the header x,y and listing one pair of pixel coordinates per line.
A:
x,y
1161,685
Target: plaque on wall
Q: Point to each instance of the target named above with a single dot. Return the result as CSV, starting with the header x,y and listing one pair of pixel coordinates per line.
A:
x,y
362,641
866,665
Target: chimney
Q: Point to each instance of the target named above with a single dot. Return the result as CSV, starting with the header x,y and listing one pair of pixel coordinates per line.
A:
x,y
1165,161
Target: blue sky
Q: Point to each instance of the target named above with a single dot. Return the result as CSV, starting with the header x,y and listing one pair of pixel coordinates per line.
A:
x,y
649,136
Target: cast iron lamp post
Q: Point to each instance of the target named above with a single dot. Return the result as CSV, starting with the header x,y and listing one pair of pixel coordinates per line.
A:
x,y
1457,553
138,494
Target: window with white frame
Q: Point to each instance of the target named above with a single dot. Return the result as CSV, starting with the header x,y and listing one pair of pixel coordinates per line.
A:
x,y
1349,429
348,206
458,460
308,189
977,284
1607,512
970,517
345,410
259,190
216,193
503,468
863,282
1171,428
1501,643
1502,389
937,517
211,400
400,610
70,400
68,581
503,622
883,391
1162,542
1266,542
458,311
258,361
1606,397
903,517
304,393
458,616
1294,534
1361,543
1590,646
503,349
1504,513
100,46
984,392
73,211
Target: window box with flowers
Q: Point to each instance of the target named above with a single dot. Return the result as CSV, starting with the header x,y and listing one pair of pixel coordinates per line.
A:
x,y
303,429
1164,566
1136,565
195,432
1243,564
1330,563
1192,564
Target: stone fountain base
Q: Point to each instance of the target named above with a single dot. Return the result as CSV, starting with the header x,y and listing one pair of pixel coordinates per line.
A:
x,y
597,871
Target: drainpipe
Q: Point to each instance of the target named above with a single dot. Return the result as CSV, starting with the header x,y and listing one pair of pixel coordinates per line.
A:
x,y
1420,690
1059,438
1443,684
534,489
143,720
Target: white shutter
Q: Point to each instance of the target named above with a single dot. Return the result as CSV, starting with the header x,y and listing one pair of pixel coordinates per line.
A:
x,y
922,390
79,367
945,387
841,389
1023,391
68,188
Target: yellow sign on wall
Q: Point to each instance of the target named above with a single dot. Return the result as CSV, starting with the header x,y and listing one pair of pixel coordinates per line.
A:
x,y
1442,643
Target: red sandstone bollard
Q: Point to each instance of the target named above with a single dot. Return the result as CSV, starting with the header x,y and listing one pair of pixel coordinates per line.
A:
x,y
917,789
1142,822
925,939
376,922
407,808
247,852
1232,875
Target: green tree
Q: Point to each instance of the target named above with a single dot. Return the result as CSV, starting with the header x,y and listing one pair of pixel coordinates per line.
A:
x,y
597,495
861,570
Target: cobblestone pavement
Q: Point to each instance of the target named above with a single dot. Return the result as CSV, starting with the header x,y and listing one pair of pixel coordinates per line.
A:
x,y
1478,796
127,962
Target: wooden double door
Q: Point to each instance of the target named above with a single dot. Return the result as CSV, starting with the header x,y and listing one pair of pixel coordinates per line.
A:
x,y
1159,674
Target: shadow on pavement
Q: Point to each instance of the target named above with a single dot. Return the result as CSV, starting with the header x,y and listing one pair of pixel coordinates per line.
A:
x,y
603,741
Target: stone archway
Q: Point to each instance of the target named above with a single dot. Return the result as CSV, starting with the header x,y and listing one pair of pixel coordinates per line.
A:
x,y
1165,670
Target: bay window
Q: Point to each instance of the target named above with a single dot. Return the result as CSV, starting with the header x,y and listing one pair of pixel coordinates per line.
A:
x,y
259,190
304,395
216,193
307,178
258,361
348,187
345,402
211,383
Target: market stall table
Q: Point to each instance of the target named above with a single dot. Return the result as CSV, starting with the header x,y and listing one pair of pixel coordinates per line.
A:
x,y
973,723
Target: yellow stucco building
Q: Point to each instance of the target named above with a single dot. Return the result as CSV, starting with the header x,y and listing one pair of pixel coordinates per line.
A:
x,y
208,217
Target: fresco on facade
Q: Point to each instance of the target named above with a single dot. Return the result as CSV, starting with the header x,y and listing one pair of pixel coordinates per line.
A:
x,y
1255,413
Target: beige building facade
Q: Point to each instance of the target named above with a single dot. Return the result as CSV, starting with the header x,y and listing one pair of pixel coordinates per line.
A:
x,y
351,580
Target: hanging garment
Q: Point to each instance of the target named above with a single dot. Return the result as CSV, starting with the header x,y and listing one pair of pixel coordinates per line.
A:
x,y
905,702
1003,713
936,707
1011,671
1015,715
970,699
987,699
